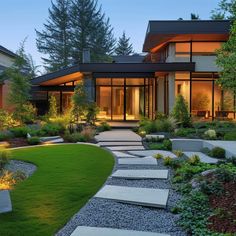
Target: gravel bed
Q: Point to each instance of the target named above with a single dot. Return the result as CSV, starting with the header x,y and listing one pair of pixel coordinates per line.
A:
x,y
107,213
27,168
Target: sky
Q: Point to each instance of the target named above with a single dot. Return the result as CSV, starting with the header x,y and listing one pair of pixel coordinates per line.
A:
x,y
20,18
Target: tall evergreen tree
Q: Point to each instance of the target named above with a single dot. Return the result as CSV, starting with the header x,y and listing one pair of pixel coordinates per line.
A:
x,y
54,39
124,47
90,30
226,10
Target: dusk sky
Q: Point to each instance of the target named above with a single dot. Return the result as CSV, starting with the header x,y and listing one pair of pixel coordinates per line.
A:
x,y
19,18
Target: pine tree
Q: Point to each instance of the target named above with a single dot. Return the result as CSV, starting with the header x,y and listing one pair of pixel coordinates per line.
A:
x,y
54,40
194,16
90,30
124,47
226,10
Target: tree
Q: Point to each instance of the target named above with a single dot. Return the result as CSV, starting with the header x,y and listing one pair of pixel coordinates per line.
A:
x,y
90,30
54,39
124,47
226,60
52,107
79,102
180,112
226,10
19,95
195,16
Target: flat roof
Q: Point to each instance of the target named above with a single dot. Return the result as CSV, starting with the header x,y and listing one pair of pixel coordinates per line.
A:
x,y
7,52
164,31
111,68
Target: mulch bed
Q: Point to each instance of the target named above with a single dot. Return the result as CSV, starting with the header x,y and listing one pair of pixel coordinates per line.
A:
x,y
18,142
225,219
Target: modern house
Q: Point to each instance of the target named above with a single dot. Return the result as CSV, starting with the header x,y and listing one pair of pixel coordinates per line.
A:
x,y
180,59
6,60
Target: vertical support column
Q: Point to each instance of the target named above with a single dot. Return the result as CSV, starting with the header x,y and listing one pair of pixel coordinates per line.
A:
x,y
190,95
161,96
171,90
61,102
213,99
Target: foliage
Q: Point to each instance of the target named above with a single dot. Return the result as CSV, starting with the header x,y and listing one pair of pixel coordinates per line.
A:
x,y
166,144
20,132
4,136
92,111
211,133
52,107
226,10
218,152
19,76
195,16
4,157
33,140
158,156
178,153
74,138
226,60
54,39
193,160
55,183
167,161
184,132
230,136
200,101
6,180
6,120
124,47
52,129
103,126
88,133
180,112
80,101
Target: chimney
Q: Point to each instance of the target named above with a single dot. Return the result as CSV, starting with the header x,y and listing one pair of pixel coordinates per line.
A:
x,y
86,55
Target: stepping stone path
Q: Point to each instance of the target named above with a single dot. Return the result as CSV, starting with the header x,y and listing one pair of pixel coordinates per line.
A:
x,y
141,174
126,148
137,161
96,231
145,153
203,157
129,151
138,196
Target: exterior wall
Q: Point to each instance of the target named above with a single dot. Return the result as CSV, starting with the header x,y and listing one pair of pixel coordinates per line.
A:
x,y
5,60
160,95
205,63
90,87
171,90
171,53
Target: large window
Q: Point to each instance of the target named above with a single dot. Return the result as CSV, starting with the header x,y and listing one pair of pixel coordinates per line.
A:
x,y
182,50
205,48
125,98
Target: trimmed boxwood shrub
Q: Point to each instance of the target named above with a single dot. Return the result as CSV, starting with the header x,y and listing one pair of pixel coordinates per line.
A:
x,y
33,140
20,132
218,152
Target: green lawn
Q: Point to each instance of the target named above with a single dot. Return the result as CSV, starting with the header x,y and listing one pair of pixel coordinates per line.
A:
x,y
66,178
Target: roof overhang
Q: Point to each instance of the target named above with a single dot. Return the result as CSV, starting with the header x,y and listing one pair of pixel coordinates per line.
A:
x,y
160,33
76,72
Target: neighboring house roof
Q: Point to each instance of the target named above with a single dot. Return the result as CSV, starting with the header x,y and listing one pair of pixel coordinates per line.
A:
x,y
128,59
161,32
7,52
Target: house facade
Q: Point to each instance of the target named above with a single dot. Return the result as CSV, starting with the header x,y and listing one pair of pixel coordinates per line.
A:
x,y
180,59
6,60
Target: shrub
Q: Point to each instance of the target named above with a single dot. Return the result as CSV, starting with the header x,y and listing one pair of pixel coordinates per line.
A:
x,y
211,133
26,114
230,135
4,136
52,107
165,125
158,156
104,126
33,140
92,111
20,132
167,161
167,144
178,153
53,129
4,157
6,120
193,160
218,152
88,133
6,180
180,112
74,138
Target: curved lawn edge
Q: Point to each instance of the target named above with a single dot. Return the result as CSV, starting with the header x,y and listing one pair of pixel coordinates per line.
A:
x,y
67,177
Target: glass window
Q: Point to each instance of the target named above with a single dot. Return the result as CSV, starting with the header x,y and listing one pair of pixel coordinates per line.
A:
x,y
105,81
104,102
183,88
134,81
205,48
118,81
182,49
182,76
